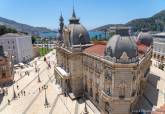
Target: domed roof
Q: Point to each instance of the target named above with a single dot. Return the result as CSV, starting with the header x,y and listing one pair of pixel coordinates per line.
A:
x,y
119,45
78,34
145,38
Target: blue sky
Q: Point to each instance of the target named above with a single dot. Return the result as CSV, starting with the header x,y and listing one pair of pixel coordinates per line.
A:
x,y
92,13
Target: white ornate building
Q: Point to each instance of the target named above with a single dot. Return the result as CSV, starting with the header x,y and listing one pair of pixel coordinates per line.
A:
x,y
159,47
112,76
17,45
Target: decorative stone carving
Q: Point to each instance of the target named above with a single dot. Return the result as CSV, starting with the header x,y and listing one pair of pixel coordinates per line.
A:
x,y
124,56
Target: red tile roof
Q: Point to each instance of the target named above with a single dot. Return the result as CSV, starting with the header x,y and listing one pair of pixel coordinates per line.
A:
x,y
142,48
97,50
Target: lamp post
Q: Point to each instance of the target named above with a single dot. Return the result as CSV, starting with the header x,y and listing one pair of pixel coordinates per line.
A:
x,y
85,108
14,94
46,100
38,75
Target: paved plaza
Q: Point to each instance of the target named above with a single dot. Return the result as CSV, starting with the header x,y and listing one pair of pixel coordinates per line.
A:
x,y
32,102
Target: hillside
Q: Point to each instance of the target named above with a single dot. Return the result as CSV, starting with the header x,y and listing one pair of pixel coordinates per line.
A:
x,y
105,27
154,23
22,27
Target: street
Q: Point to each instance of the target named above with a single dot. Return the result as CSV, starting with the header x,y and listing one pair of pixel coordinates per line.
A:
x,y
31,93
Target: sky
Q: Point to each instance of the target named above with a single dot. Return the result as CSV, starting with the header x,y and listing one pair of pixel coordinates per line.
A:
x,y
92,13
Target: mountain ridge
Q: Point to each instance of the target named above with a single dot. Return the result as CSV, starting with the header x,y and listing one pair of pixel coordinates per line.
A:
x,y
152,23
22,27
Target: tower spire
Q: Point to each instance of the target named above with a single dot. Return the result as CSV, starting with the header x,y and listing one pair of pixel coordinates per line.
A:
x,y
61,24
74,19
73,13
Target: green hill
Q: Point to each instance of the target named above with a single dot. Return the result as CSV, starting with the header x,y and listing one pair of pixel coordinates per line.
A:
x,y
154,23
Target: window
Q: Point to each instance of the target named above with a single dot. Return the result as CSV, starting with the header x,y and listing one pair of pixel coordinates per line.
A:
x,y
97,97
91,92
134,78
3,74
108,74
133,93
107,107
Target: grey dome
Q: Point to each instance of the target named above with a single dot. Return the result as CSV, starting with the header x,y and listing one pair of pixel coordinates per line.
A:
x,y
145,38
117,45
78,34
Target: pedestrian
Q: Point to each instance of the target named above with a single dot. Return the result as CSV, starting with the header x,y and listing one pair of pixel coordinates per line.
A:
x,y
8,102
17,87
42,87
18,95
6,91
24,93
21,92
39,89
3,91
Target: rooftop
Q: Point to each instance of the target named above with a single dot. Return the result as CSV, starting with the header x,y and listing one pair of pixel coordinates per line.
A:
x,y
97,49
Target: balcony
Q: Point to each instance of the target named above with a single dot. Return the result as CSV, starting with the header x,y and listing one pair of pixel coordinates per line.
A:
x,y
61,72
107,95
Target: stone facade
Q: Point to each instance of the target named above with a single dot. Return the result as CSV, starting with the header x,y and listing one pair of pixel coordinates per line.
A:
x,y
159,47
113,85
5,69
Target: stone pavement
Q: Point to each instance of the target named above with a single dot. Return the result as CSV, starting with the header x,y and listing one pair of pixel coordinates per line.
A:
x,y
33,100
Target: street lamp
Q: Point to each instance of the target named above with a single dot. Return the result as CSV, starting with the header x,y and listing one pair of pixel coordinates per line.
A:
x,y
85,108
38,75
14,94
46,100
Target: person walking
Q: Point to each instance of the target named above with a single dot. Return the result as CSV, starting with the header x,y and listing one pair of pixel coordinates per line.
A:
x,y
24,93
17,87
8,102
18,95
21,92
6,91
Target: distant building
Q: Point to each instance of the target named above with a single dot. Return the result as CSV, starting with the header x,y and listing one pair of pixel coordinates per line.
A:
x,y
159,46
5,68
17,45
111,76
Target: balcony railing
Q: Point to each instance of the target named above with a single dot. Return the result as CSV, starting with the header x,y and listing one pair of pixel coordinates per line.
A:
x,y
106,94
63,73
